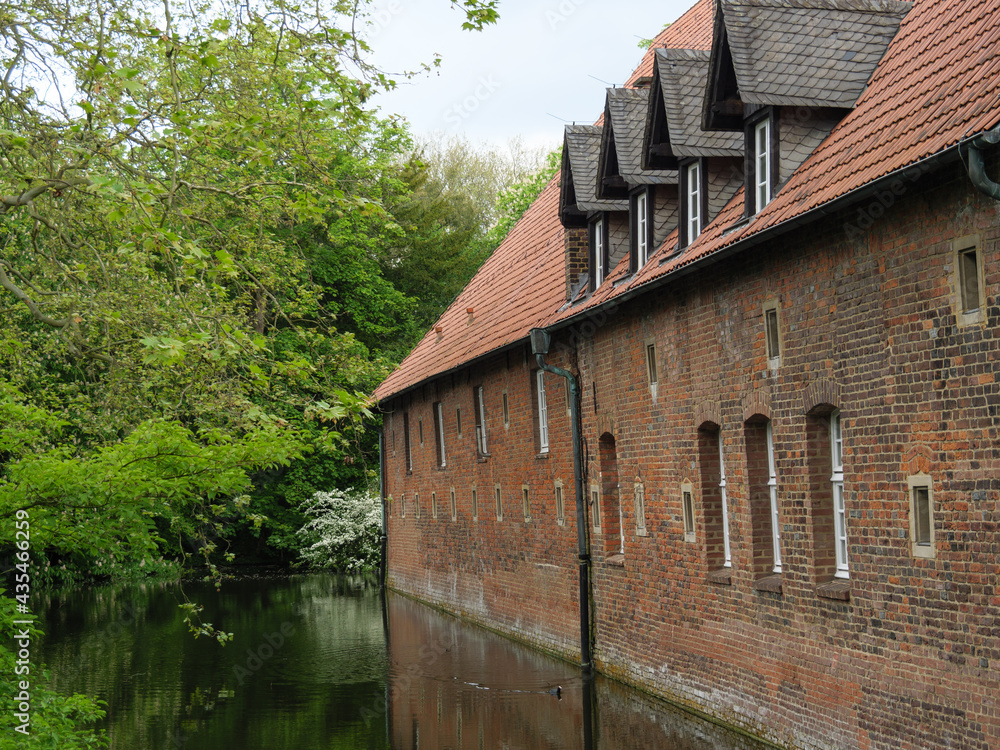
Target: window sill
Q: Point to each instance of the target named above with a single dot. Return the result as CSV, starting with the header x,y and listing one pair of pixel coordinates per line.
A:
x,y
541,456
618,560
483,458
771,583
723,576
838,588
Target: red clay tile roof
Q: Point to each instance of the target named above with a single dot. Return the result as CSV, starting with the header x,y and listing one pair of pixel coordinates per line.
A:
x,y
693,30
523,282
518,288
938,83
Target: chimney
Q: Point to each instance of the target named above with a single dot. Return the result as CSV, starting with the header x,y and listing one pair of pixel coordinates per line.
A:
x,y
577,255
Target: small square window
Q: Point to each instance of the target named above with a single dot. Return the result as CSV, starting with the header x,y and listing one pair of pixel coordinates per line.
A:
x,y
526,503
499,502
560,507
921,516
687,509
969,282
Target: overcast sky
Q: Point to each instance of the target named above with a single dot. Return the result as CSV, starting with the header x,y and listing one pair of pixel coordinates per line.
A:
x,y
528,75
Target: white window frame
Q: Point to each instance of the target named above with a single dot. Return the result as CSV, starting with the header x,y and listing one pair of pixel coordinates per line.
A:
x,y
543,413
598,252
762,163
692,187
440,434
837,480
641,229
725,506
772,488
481,427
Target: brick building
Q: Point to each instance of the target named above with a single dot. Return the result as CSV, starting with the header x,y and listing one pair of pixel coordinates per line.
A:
x,y
771,269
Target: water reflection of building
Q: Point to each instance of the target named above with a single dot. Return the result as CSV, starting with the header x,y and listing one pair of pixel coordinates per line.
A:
x,y
772,269
505,696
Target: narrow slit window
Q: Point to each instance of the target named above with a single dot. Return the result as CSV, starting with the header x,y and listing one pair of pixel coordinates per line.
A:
x,y
439,433
968,271
506,412
687,502
771,330
526,503
434,505
458,421
499,502
651,363
416,504
560,509
454,505
402,505
420,431
475,505
640,509
922,509
595,507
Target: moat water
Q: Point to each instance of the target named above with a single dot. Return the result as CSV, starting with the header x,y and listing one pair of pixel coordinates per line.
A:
x,y
317,663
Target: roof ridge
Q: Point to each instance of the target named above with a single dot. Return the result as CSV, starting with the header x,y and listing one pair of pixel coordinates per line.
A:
x,y
859,6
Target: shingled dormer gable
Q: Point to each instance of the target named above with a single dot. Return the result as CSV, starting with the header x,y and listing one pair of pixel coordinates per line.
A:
x,y
785,72
710,165
581,149
794,53
621,145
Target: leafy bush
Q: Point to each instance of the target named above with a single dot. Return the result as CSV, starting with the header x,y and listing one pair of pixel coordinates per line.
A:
x,y
343,531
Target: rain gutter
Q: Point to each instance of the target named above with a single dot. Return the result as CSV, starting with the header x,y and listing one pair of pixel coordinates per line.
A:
x,y
977,166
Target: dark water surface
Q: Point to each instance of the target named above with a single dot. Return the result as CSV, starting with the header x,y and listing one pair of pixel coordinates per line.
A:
x,y
313,664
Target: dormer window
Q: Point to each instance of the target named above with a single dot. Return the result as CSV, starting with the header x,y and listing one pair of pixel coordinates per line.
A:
x,y
598,251
762,164
641,227
693,201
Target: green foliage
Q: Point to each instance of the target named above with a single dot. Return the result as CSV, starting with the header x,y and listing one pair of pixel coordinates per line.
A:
x,y
343,530
57,722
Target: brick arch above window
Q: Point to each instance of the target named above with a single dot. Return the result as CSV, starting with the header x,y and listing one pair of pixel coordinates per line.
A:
x,y
757,404
821,396
708,415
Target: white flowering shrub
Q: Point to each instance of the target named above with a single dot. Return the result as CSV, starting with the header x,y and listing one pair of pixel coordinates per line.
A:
x,y
343,530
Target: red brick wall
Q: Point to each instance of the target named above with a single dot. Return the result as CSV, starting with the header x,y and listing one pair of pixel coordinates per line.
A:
x,y
912,657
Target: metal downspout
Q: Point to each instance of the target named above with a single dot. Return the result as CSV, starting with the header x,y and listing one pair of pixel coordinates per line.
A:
x,y
540,340
976,164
